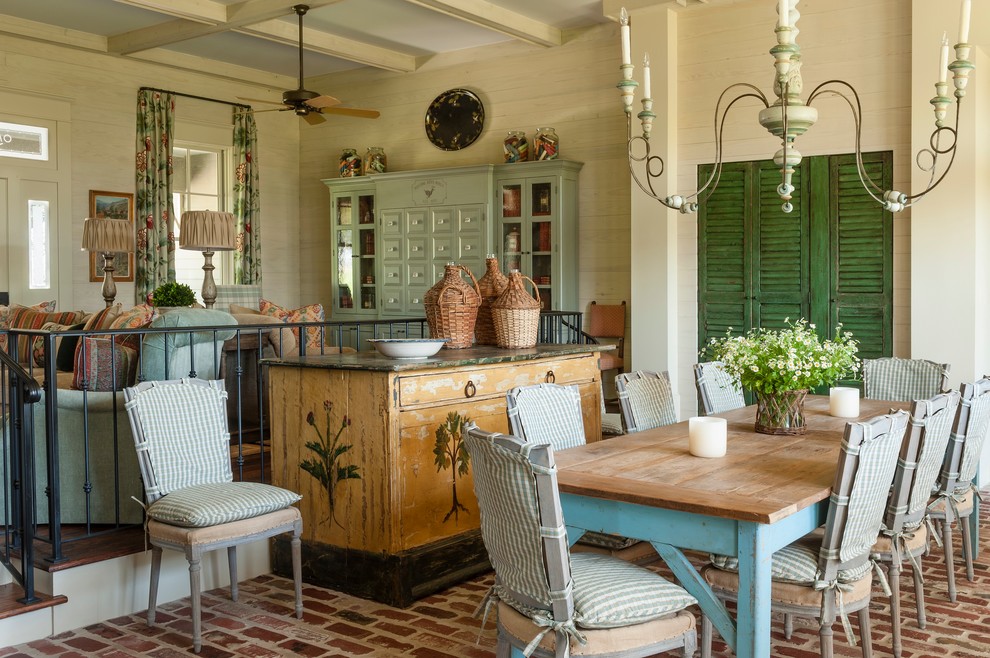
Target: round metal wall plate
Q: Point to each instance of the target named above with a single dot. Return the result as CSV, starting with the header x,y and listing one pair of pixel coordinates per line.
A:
x,y
454,119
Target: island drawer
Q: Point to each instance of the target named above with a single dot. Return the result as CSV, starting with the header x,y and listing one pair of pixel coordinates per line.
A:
x,y
493,380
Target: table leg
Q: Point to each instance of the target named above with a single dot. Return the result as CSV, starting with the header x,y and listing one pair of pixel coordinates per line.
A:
x,y
753,616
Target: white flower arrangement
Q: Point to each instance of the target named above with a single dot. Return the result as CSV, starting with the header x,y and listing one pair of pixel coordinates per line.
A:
x,y
769,361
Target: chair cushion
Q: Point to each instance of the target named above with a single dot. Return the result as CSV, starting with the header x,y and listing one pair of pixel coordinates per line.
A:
x,y
203,505
916,540
605,540
609,592
796,563
612,424
792,593
965,506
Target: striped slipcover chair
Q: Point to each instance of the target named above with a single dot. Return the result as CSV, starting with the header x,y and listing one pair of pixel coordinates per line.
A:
x,y
549,600
718,391
828,576
193,504
956,497
646,400
904,380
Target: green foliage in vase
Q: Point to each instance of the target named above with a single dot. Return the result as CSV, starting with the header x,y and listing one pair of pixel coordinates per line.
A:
x,y
768,361
173,294
449,450
325,467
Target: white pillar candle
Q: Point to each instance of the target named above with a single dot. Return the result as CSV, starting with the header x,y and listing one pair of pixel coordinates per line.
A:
x,y
843,402
706,436
647,92
943,59
783,13
624,32
964,21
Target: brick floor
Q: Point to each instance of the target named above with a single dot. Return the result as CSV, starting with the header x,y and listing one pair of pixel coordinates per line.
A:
x,y
442,626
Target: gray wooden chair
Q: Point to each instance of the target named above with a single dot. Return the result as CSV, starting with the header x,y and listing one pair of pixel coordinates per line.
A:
x,y
830,575
193,504
645,399
904,534
548,599
956,487
718,391
891,378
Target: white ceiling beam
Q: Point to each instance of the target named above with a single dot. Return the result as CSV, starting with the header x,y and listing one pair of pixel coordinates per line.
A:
x,y
335,46
215,69
238,15
499,19
201,11
35,31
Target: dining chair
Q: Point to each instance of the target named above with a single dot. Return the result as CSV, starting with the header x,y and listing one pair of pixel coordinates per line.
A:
x,y
718,391
904,534
956,488
548,598
891,378
830,575
645,399
551,413
192,503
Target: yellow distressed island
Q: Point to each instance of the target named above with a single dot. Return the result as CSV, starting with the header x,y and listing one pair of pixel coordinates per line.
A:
x,y
373,444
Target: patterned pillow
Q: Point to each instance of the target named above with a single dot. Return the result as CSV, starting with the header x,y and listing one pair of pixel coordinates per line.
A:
x,y
203,505
133,318
103,365
38,347
102,319
311,313
22,317
65,358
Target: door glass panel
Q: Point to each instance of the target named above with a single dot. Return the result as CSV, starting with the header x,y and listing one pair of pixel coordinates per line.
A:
x,y
366,209
512,245
344,211
542,200
345,271
512,201
39,246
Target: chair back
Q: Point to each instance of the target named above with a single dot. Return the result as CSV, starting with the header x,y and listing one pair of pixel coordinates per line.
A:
x,y
546,413
606,320
180,433
903,379
522,525
862,483
962,458
646,400
920,462
718,390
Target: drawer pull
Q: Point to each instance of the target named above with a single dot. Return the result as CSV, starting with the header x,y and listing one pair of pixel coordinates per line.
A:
x,y
415,300
550,377
470,390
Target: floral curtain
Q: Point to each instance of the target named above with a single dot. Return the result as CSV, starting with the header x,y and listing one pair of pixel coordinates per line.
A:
x,y
154,258
247,199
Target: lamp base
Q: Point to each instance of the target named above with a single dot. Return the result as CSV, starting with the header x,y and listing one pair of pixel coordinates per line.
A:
x,y
109,287
209,286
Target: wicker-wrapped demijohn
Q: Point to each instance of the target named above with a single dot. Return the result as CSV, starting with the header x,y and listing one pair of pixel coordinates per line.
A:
x,y
452,307
517,314
491,285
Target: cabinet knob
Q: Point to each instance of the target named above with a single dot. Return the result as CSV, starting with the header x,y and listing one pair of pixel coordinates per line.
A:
x,y
391,275
469,389
550,377
441,248
416,275
415,300
467,247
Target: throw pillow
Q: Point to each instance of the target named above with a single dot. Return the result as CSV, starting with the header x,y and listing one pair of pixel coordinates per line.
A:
x,y
282,340
235,309
23,317
38,347
102,319
5,311
133,318
103,365
311,313
65,359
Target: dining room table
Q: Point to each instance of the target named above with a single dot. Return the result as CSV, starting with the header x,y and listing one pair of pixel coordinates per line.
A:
x,y
766,492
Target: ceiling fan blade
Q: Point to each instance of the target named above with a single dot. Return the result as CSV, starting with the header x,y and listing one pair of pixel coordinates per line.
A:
x,y
313,118
352,112
259,100
274,109
322,101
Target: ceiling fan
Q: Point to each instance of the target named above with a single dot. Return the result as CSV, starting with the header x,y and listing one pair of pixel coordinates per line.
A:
x,y
311,105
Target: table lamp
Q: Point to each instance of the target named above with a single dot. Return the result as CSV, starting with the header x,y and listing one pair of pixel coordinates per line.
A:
x,y
208,231
108,237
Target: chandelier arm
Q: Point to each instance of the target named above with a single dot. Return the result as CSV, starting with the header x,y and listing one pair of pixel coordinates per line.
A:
x,y
936,151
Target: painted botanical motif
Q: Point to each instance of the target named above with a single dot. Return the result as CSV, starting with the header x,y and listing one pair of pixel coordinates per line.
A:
x,y
326,466
450,450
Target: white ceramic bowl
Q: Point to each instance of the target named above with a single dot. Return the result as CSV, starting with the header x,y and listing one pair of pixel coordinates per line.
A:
x,y
408,348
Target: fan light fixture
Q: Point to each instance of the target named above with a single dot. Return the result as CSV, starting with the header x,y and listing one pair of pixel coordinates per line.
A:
x,y
789,116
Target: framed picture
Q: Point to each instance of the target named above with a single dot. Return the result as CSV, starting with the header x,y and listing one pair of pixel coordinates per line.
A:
x,y
115,205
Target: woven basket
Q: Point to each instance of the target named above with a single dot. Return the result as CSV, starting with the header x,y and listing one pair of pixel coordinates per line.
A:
x,y
516,314
781,412
491,285
452,307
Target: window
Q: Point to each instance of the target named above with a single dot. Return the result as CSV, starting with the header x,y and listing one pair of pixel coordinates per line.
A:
x,y
20,141
199,183
39,268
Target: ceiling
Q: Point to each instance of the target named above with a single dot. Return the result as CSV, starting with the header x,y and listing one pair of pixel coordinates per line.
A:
x,y
256,40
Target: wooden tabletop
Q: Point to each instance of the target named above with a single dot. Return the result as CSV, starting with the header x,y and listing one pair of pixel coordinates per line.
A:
x,y
762,478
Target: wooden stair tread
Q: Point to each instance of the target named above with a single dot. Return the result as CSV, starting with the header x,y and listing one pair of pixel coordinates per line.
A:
x,y
11,607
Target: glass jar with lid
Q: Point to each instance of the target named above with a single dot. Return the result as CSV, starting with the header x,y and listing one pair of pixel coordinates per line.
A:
x,y
546,144
515,147
375,160
350,163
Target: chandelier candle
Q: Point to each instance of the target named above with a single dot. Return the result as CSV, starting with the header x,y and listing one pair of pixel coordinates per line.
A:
x,y
787,116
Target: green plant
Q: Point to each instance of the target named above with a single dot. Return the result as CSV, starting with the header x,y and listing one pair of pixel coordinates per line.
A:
x,y
329,450
448,450
768,361
173,294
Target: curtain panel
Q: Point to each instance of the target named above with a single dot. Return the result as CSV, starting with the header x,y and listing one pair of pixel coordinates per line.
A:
x,y
247,199
154,257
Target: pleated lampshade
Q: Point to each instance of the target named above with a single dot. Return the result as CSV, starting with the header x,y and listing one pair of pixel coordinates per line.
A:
x,y
207,230
107,235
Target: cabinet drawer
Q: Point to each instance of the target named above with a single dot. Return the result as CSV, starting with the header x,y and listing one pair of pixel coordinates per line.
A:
x,y
492,381
417,274
416,248
443,248
416,222
392,222
392,274
471,219
414,300
469,246
443,221
392,299
391,248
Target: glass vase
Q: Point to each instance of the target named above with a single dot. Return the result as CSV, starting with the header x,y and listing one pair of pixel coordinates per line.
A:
x,y
781,412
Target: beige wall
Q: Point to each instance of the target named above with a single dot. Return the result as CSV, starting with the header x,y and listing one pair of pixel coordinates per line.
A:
x,y
522,87
101,92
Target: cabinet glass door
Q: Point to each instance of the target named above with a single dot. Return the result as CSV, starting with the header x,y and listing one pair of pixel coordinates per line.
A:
x,y
512,227
541,239
354,238
366,251
345,270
